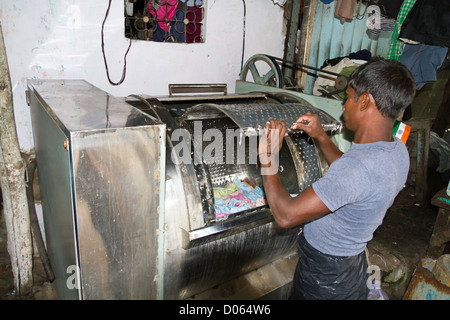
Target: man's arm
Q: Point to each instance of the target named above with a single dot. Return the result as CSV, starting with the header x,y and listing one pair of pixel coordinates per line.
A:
x,y
310,123
286,210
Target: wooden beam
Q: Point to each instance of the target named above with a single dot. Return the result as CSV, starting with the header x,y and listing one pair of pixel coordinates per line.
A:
x,y
12,182
309,13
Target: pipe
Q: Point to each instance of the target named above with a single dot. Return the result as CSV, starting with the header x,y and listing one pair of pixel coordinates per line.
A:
x,y
36,231
299,65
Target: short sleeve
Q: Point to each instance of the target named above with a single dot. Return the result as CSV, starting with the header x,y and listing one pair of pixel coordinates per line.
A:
x,y
346,181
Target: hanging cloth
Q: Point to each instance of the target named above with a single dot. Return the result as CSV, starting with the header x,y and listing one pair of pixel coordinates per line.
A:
x,y
396,47
385,24
428,22
423,61
164,11
345,9
389,8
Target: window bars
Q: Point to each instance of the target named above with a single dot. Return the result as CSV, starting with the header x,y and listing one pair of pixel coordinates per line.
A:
x,y
165,20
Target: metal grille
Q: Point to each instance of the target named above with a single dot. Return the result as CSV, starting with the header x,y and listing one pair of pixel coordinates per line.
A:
x,y
306,152
221,172
250,116
299,163
165,20
301,145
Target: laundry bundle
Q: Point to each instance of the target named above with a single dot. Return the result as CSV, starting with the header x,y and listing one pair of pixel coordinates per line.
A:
x,y
237,196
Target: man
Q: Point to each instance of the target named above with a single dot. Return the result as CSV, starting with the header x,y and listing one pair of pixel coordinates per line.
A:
x,y
343,209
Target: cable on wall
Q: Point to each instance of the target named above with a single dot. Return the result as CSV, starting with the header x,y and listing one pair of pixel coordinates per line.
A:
x,y
124,71
243,36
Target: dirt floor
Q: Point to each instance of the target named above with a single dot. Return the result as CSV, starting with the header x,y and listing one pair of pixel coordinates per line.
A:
x,y
402,240
398,246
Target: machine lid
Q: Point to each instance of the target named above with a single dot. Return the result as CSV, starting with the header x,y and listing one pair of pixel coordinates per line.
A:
x,y
78,106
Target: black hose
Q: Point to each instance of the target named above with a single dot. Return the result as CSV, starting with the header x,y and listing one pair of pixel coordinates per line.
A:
x,y
36,231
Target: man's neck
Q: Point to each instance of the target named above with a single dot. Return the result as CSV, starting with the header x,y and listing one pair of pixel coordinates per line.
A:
x,y
378,130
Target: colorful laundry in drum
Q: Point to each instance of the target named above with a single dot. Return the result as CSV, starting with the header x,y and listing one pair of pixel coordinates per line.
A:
x,y
237,196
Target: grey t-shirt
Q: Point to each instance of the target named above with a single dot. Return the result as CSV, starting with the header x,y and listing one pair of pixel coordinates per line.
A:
x,y
358,188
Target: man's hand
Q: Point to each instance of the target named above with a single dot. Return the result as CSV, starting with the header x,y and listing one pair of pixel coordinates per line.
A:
x,y
272,140
270,144
310,123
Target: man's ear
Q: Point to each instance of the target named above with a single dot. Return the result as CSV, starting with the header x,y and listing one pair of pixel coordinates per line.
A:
x,y
365,100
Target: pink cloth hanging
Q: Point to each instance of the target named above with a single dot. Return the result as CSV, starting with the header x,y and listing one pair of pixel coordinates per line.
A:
x,y
165,13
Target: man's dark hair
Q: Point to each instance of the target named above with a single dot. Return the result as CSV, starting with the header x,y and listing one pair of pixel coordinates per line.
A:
x,y
389,82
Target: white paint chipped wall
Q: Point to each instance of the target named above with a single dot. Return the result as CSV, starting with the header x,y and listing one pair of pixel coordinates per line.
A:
x,y
61,39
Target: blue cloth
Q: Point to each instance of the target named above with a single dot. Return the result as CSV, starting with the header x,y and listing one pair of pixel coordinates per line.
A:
x,y
191,3
255,194
242,185
222,207
248,192
423,61
358,188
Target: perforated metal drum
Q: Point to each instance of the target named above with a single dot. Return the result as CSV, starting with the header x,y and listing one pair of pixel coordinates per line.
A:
x,y
300,158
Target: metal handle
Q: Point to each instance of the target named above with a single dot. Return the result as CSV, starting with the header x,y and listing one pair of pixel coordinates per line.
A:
x,y
197,88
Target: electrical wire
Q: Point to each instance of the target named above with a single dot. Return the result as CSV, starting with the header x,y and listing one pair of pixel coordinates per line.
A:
x,y
243,36
124,71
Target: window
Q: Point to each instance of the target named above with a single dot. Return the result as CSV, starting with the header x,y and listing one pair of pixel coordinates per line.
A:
x,y
165,20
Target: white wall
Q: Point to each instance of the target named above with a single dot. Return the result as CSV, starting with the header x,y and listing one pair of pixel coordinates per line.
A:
x,y
61,39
